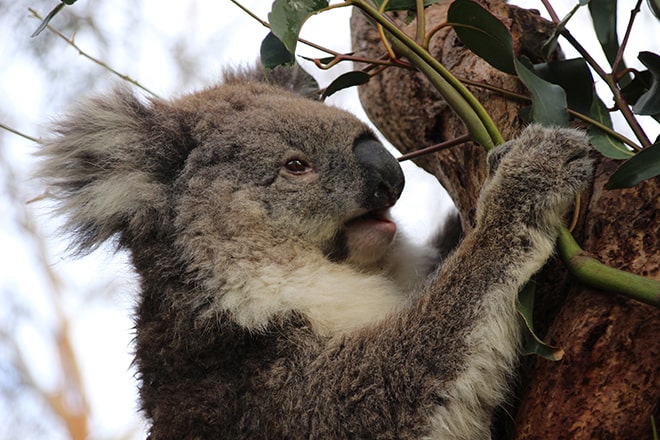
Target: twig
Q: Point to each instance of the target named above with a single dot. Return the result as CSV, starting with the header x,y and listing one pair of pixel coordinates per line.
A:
x,y
104,65
435,148
551,11
621,103
265,24
18,133
624,42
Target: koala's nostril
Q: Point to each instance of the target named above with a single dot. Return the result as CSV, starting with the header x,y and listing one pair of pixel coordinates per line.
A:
x,y
382,174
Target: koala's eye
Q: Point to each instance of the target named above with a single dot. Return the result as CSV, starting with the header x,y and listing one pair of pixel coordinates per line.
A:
x,y
298,166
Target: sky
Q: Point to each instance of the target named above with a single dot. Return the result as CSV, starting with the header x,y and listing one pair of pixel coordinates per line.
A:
x,y
97,292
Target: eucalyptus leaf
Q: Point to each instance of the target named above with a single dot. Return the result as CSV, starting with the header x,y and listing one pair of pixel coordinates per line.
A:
x,y
604,15
604,143
483,34
274,53
288,16
643,165
574,77
344,81
654,6
548,100
649,102
637,87
532,343
49,17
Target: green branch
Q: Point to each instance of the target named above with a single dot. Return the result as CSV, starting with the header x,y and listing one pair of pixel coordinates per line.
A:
x,y
588,270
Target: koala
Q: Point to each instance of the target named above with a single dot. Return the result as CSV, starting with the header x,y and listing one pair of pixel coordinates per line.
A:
x,y
277,299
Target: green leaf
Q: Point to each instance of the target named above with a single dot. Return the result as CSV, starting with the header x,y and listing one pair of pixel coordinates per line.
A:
x,y
603,15
288,16
344,81
574,77
532,343
604,143
649,102
402,5
548,100
640,84
654,6
48,18
643,165
274,53
482,33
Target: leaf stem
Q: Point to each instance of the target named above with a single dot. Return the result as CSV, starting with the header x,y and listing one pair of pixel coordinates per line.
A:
x,y
432,32
588,270
421,22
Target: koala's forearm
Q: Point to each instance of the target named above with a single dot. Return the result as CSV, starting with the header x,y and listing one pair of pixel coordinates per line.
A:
x,y
448,355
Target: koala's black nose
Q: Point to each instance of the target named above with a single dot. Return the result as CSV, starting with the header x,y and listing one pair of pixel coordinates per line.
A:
x,y
382,174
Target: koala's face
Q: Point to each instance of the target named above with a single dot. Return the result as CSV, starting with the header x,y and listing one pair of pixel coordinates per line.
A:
x,y
272,163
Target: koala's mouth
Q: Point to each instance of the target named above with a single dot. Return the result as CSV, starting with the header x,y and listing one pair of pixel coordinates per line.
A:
x,y
378,218
368,236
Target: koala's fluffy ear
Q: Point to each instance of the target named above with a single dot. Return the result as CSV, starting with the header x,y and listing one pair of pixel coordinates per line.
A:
x,y
293,78
110,166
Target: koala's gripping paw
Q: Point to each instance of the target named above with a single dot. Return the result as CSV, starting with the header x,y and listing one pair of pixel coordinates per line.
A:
x,y
536,176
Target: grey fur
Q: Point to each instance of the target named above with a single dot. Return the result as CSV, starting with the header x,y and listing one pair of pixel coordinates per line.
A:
x,y
267,310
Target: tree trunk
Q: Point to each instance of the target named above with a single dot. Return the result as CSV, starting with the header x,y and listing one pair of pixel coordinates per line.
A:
x,y
608,384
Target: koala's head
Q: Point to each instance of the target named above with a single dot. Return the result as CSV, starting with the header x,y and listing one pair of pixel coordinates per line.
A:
x,y
242,167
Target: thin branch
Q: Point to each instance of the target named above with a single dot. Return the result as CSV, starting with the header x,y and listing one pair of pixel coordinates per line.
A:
x,y
435,148
251,14
551,11
621,103
619,55
104,65
18,133
265,24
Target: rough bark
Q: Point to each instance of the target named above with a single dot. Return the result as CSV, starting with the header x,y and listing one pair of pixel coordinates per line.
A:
x,y
608,384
